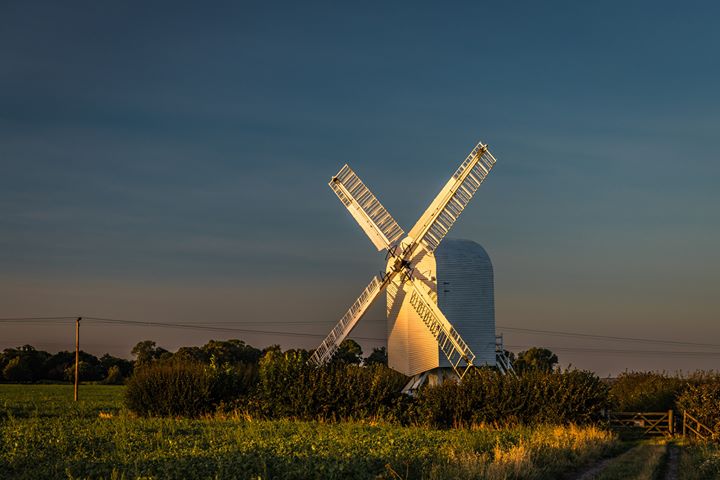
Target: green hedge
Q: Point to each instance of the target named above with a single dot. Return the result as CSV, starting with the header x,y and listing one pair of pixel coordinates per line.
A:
x,y
646,391
284,385
487,396
289,387
702,401
654,392
185,389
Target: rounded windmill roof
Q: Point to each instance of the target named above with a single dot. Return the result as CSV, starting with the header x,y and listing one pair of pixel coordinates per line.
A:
x,y
469,249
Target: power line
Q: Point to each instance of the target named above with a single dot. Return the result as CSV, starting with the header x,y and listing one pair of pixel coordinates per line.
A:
x,y
205,326
217,329
606,337
191,326
609,351
209,326
285,322
23,319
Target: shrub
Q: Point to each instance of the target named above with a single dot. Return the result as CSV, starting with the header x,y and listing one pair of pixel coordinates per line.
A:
x,y
289,387
232,383
646,391
284,385
487,396
183,388
702,401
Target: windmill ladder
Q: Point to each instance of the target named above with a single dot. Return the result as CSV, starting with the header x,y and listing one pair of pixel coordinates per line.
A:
x,y
449,340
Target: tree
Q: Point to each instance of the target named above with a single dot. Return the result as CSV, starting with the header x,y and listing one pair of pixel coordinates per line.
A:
x,y
87,372
535,359
124,366
377,357
270,350
18,370
56,365
147,352
31,360
191,354
114,376
348,353
231,351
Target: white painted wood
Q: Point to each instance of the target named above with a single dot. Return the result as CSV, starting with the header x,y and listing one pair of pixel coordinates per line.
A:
x,y
411,347
427,328
447,206
331,343
466,295
366,209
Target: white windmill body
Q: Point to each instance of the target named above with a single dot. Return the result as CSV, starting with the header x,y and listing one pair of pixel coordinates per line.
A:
x,y
440,304
460,277
466,295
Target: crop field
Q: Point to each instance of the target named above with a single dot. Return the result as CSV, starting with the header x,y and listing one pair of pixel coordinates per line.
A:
x,y
44,434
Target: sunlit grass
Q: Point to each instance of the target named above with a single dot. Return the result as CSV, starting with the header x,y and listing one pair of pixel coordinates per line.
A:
x,y
43,435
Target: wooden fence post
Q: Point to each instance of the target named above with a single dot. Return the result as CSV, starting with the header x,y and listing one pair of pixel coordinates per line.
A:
x,y
684,422
77,356
671,424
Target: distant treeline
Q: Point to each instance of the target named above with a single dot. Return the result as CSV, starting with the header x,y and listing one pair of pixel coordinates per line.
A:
x,y
27,364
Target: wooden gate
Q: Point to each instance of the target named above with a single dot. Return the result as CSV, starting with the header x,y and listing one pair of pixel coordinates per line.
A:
x,y
643,424
693,427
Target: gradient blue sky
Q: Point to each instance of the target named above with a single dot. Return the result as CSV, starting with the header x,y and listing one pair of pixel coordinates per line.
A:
x,y
169,163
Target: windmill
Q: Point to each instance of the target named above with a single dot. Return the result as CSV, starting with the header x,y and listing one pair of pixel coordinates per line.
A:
x,y
417,329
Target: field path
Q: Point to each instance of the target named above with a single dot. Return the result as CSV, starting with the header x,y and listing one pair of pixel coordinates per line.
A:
x,y
673,461
591,472
640,461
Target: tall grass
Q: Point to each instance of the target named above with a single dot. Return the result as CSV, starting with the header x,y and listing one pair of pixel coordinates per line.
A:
x,y
700,461
541,452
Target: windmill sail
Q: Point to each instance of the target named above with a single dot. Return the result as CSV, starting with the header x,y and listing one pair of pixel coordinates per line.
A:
x,y
449,340
453,198
372,217
410,306
343,328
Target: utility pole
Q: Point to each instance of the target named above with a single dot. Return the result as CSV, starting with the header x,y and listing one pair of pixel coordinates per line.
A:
x,y
77,356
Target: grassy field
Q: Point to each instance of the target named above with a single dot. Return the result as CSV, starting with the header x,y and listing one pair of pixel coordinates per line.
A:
x,y
43,434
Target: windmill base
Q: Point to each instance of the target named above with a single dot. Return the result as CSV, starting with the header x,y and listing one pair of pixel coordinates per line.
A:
x,y
433,377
